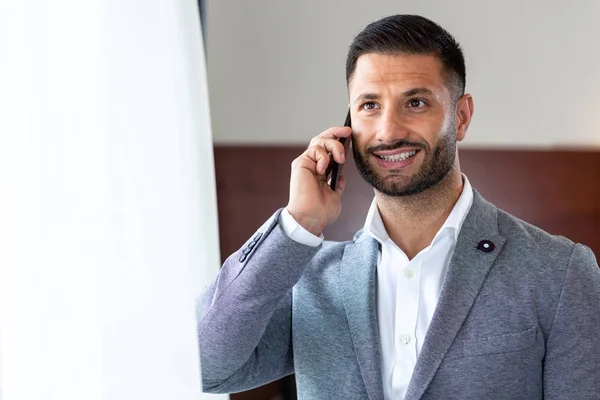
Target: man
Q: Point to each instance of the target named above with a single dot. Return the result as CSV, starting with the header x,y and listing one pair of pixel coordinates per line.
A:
x,y
440,296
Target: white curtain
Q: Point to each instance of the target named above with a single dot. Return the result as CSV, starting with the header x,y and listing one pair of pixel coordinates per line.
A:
x,y
108,226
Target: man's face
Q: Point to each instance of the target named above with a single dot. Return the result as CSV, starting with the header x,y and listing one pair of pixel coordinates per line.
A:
x,y
403,122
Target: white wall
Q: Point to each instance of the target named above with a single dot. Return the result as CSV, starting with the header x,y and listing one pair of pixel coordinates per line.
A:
x,y
276,68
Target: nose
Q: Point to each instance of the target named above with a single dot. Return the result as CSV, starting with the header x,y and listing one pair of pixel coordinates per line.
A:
x,y
391,127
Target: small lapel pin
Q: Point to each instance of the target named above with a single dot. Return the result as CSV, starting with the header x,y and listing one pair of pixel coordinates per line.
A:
x,y
486,246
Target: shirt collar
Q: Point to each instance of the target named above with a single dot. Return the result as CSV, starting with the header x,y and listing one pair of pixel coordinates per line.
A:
x,y
375,228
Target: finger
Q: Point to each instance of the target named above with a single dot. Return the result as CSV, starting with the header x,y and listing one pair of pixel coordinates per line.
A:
x,y
335,132
334,147
320,157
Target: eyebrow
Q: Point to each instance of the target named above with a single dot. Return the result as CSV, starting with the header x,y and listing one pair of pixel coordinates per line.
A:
x,y
409,93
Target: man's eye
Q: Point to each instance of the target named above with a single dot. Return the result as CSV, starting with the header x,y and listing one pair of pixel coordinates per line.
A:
x,y
369,105
417,103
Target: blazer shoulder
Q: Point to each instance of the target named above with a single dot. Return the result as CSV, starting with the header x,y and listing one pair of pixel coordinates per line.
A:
x,y
529,241
336,249
330,251
331,254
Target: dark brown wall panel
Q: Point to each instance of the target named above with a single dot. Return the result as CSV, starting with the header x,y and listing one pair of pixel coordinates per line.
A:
x,y
559,191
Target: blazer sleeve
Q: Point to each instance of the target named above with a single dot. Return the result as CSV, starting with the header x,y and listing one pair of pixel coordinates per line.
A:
x,y
244,315
572,361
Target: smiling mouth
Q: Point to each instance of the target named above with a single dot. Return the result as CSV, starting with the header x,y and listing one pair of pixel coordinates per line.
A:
x,y
398,157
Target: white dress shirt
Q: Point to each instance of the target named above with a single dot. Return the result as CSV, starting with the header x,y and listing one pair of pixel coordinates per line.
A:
x,y
407,290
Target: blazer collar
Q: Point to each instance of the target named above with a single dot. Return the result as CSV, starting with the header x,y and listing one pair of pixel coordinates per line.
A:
x,y
358,284
467,271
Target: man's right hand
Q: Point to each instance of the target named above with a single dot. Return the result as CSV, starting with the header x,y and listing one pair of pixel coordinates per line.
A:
x,y
312,203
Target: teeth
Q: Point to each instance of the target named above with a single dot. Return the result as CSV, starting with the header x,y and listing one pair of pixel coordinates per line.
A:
x,y
399,157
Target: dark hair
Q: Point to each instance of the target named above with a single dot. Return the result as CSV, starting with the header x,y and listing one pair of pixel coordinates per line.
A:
x,y
411,34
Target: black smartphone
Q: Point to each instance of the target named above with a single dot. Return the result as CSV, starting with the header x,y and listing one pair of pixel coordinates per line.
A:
x,y
336,169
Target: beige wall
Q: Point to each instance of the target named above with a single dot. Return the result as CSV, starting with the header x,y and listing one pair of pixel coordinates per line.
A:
x,y
276,68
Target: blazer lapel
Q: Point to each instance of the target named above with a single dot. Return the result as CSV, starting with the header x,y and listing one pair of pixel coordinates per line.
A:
x,y
357,281
467,271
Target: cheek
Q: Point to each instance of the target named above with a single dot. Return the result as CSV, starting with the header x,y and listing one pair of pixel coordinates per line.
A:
x,y
357,143
360,136
432,130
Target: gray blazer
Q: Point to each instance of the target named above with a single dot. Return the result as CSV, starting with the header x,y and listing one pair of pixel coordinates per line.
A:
x,y
518,322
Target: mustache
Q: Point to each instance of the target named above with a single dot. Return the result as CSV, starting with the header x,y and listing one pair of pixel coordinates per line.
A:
x,y
398,144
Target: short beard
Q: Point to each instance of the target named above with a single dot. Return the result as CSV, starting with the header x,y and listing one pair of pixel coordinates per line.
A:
x,y
436,165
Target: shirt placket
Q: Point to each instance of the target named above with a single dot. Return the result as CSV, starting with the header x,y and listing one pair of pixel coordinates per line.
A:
x,y
407,309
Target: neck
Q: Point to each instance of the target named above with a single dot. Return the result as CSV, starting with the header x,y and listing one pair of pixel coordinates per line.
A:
x,y
412,221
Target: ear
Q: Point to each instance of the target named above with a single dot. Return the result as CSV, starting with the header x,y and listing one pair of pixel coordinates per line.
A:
x,y
464,112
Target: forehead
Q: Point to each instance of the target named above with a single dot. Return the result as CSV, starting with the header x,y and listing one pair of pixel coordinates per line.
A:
x,y
402,71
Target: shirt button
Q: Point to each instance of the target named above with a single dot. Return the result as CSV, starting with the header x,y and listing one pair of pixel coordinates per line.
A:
x,y
405,338
408,274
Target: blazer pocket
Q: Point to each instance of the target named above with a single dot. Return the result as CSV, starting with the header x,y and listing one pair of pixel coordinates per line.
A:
x,y
507,343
